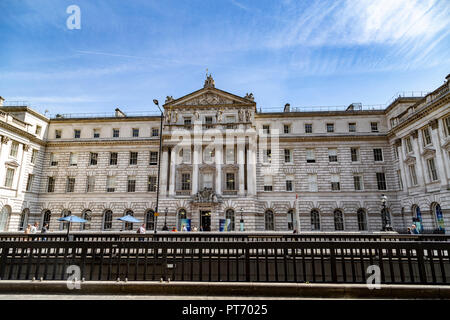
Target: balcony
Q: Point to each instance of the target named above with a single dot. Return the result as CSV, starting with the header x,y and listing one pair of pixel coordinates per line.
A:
x,y
183,192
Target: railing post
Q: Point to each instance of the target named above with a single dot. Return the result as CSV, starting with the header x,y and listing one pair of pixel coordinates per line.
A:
x,y
247,264
4,255
333,265
420,262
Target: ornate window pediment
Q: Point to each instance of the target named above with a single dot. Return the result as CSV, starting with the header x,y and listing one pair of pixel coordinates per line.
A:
x,y
207,168
12,163
428,151
446,144
410,159
230,167
184,167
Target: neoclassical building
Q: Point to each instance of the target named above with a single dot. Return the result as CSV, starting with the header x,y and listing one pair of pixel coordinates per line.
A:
x,y
222,160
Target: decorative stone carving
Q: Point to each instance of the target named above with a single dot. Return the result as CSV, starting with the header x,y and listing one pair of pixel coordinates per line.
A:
x,y
219,116
241,115
5,140
249,96
248,116
176,117
206,195
415,134
169,99
168,116
208,99
26,147
209,82
398,143
197,115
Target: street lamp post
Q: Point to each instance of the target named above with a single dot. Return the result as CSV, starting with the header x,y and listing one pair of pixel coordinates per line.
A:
x,y
383,212
241,224
159,162
165,220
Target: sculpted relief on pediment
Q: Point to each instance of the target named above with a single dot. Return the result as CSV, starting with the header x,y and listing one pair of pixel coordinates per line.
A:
x,y
208,99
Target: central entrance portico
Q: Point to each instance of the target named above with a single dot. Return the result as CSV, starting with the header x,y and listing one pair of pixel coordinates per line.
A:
x,y
205,220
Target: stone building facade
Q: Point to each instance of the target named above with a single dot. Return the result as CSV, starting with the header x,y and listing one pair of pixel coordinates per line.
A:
x,y
222,160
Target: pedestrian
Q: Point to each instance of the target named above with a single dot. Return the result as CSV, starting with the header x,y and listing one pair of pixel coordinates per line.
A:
x,y
414,229
141,230
184,227
295,231
44,230
34,228
408,230
194,228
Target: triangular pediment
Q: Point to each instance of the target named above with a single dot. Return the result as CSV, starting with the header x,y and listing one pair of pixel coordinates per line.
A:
x,y
12,163
208,97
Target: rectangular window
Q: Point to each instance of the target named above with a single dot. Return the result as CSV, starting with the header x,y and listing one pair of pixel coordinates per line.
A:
x,y
187,121
268,183
289,183
90,184
38,130
412,174
310,156
308,127
409,147
9,177
57,134
330,127
357,182
34,154
151,187
267,156
266,129
131,184
426,136
230,181
209,120
135,132
447,126
355,154
77,133
335,183
381,181
73,159
113,158
116,133
432,173
207,180
395,152
287,156
93,159
30,182
378,154
312,182
96,133
153,157
51,184
133,158
374,126
332,155
70,186
287,128
110,183
155,132
53,161
14,149
352,127
185,181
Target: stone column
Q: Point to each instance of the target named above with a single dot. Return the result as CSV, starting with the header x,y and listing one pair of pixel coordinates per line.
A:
x,y
241,163
164,169
219,161
440,164
251,168
419,164
196,160
172,171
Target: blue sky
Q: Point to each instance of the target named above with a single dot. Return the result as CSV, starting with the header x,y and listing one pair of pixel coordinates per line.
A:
x,y
307,53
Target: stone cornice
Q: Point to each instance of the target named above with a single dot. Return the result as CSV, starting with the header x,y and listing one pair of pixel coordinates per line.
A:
x,y
318,113
327,138
26,109
106,119
24,134
433,105
103,143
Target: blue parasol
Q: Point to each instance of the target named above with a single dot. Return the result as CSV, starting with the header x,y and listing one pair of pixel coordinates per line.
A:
x,y
128,218
70,219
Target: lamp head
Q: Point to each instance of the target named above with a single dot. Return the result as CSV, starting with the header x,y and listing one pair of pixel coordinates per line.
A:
x,y
156,102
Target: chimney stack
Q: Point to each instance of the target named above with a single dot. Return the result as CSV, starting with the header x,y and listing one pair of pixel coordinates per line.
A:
x,y
287,107
119,113
1,101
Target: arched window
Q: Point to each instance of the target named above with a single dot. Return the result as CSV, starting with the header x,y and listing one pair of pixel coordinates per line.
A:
x,y
24,219
63,225
338,220
86,215
46,216
417,218
107,220
437,212
181,215
290,219
229,216
4,217
315,220
129,225
362,220
269,223
150,220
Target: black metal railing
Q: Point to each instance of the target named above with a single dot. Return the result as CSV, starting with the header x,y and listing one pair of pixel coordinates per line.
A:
x,y
399,262
126,236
